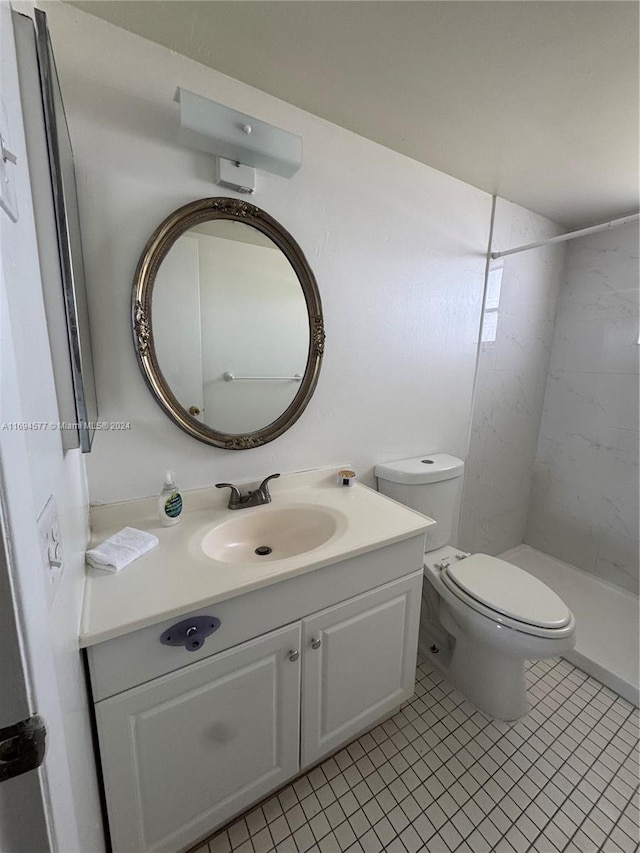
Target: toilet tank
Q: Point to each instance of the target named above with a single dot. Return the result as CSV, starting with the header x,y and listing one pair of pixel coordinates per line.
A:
x,y
430,484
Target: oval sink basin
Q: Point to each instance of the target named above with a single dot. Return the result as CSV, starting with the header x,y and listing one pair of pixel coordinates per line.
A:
x,y
267,534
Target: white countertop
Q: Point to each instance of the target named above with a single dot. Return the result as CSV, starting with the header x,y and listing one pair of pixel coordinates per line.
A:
x,y
177,577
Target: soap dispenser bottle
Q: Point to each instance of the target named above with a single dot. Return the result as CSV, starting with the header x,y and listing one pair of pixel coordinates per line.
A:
x,y
169,502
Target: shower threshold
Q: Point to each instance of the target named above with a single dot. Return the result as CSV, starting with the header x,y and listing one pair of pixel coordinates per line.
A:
x,y
607,619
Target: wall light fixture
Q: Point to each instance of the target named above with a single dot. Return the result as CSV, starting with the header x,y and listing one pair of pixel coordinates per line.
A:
x,y
240,143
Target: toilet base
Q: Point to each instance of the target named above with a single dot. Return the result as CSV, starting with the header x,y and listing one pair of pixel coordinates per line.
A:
x,y
500,692
492,681
488,677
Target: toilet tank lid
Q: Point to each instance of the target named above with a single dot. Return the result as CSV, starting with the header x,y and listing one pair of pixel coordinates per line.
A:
x,y
429,468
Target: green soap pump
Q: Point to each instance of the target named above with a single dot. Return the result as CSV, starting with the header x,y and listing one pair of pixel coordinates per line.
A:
x,y
169,502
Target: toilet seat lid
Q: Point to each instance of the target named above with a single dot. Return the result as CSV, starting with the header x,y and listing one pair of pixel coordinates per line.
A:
x,y
509,590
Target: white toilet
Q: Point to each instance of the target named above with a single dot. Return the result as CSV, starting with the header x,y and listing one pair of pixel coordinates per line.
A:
x,y
482,617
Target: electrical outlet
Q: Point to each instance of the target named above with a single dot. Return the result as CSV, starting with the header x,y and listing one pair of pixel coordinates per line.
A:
x,y
52,552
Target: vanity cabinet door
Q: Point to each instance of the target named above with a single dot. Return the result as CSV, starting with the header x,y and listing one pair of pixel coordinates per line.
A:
x,y
359,664
184,752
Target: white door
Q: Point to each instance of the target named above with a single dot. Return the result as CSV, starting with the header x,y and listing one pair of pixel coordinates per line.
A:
x,y
359,664
37,809
185,752
22,802
26,662
23,799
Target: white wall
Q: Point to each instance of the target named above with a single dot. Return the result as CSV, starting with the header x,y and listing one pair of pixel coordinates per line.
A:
x,y
397,249
584,506
510,385
53,634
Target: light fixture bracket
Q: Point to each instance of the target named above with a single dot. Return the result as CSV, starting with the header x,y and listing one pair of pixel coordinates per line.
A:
x,y
236,176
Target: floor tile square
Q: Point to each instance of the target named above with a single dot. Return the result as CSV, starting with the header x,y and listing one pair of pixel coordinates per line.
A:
x,y
325,795
335,815
311,806
320,826
398,819
279,829
478,843
452,837
238,833
385,831
411,807
302,787
411,840
359,823
345,835
262,841
303,838
370,842
256,820
295,817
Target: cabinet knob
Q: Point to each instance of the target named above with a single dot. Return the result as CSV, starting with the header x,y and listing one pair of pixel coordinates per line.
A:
x,y
294,654
316,643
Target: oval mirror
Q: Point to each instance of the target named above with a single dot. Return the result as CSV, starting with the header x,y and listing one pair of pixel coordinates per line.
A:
x,y
227,323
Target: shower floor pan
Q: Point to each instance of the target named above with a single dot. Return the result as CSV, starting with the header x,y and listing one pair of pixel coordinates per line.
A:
x,y
607,619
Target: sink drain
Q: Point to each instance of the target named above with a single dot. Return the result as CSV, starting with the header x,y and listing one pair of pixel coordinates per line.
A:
x,y
263,550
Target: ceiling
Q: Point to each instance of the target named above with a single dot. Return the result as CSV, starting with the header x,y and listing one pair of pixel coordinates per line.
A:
x,y
535,100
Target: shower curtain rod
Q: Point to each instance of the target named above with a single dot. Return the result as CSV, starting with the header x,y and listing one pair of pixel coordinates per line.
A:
x,y
570,235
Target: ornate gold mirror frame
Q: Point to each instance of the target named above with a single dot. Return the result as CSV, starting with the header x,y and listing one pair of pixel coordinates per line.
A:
x,y
160,243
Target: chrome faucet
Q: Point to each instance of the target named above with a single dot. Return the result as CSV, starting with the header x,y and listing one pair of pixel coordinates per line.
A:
x,y
256,498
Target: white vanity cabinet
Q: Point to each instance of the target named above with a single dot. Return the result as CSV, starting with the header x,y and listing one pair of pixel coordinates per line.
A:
x,y
188,740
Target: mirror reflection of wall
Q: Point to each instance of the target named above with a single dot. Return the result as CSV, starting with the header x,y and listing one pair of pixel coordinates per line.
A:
x,y
226,301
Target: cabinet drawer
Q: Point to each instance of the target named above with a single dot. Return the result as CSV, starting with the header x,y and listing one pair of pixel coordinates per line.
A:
x,y
138,657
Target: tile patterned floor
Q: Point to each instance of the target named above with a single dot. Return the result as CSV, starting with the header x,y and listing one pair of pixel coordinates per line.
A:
x,y
440,777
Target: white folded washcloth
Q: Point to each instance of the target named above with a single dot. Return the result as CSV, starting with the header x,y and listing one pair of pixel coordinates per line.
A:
x,y
122,548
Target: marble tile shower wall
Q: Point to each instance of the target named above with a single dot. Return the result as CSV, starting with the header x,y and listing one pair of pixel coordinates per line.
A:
x,y
584,502
510,386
